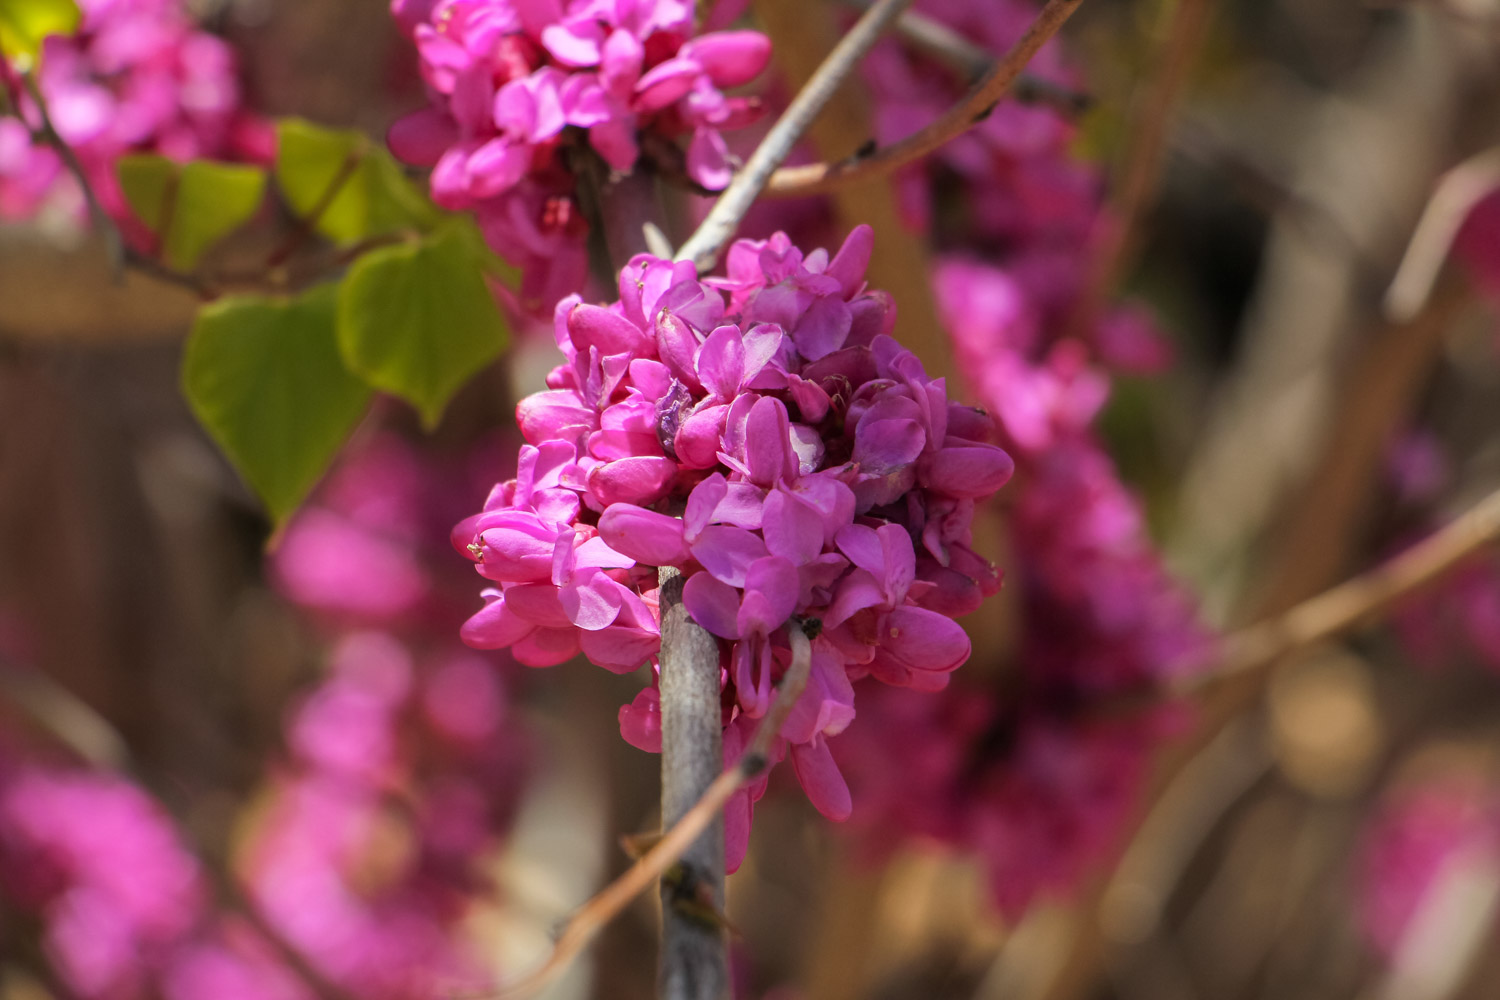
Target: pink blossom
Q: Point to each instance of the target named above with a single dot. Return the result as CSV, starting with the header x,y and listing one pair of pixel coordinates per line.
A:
x,y
138,76
513,85
764,434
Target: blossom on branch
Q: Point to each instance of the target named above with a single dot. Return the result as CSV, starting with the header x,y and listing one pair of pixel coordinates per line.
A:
x,y
516,84
763,433
137,77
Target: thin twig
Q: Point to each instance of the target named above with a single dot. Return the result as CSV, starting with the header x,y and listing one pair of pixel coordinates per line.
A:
x,y
974,108
1455,196
1358,599
639,877
121,254
972,61
703,247
306,224
1140,172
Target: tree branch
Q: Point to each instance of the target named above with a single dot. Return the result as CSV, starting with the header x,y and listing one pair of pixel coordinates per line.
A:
x,y
694,960
1360,598
817,177
608,904
1455,196
703,247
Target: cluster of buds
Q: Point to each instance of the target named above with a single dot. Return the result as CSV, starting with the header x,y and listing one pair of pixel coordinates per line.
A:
x,y
764,434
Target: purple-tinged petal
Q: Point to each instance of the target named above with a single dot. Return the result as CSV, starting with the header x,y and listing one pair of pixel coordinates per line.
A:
x,y
595,326
620,62
922,641
850,263
422,137
699,435
665,83
546,647
494,626
966,471
721,362
702,502
771,589
856,592
574,44
826,705
730,58
640,721
742,506
768,452
677,346
823,328
641,480
712,604
649,538
790,529
708,159
727,552
614,139
591,603
821,780
539,604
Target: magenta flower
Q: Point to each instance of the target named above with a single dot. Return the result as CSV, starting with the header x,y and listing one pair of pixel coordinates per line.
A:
x,y
138,76
515,82
762,433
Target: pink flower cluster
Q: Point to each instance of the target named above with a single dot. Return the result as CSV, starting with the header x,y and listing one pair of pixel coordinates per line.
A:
x,y
405,764
1038,774
1420,836
403,771
138,76
126,910
509,78
763,433
1039,777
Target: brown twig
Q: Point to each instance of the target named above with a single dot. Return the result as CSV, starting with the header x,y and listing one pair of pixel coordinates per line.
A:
x,y
702,248
975,106
1140,171
1360,598
639,877
971,62
1456,194
306,224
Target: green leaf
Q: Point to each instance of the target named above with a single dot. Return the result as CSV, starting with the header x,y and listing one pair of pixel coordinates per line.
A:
x,y
24,23
264,378
192,206
351,188
417,320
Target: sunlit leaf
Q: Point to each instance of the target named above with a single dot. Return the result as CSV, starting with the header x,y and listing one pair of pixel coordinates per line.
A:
x,y
417,320
24,23
349,186
191,206
265,378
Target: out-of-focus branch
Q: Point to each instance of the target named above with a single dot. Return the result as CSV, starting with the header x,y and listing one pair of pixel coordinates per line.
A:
x,y
639,877
953,49
1455,196
121,254
702,248
1358,599
974,108
1139,173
